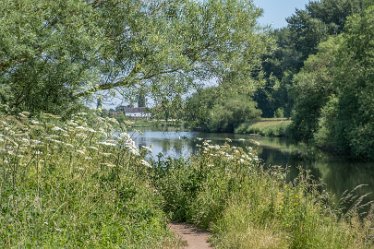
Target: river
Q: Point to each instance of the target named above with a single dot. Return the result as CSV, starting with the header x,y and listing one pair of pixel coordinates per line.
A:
x,y
336,173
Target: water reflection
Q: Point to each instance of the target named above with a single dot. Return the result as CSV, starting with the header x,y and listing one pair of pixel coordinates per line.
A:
x,y
337,174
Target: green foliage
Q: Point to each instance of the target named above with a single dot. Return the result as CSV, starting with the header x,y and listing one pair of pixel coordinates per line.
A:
x,y
230,113
48,50
227,190
53,52
266,127
169,108
279,113
219,109
334,91
351,126
312,87
73,185
306,29
319,20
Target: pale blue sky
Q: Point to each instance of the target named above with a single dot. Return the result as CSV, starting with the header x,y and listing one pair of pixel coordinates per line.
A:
x,y
276,11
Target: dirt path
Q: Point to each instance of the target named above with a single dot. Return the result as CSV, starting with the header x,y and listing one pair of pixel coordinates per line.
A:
x,y
193,237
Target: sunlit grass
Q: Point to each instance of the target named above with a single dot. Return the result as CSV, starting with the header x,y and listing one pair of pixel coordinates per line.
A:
x,y
266,127
71,184
227,190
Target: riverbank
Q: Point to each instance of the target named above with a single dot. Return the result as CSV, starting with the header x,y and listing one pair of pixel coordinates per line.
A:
x,y
73,184
227,191
159,125
269,127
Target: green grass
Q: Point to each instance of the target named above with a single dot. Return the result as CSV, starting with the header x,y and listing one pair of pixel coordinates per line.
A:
x,y
67,184
227,191
272,127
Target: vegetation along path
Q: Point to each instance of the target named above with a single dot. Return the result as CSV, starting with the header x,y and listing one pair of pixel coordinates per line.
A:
x,y
194,238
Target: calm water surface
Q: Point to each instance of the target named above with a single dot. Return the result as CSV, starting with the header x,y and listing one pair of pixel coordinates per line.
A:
x,y
338,174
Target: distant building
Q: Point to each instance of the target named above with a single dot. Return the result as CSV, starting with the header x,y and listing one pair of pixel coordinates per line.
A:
x,y
141,100
133,112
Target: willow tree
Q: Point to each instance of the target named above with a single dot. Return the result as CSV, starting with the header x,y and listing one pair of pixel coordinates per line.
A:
x,y
53,53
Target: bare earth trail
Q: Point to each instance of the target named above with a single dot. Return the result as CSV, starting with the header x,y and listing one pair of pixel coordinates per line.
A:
x,y
192,237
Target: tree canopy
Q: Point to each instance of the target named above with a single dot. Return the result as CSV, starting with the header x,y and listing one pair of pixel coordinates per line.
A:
x,y
306,29
334,92
54,52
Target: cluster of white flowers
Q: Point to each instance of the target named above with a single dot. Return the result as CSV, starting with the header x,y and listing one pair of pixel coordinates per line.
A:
x,y
131,146
229,153
56,128
24,140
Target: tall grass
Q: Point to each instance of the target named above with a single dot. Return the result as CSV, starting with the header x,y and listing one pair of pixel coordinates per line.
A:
x,y
245,206
72,184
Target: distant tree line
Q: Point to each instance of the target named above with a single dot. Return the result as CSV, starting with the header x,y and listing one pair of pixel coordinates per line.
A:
x,y
320,75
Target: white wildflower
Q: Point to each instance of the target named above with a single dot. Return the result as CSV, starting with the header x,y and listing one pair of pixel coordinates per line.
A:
x,y
34,122
56,128
146,164
10,152
82,128
134,151
124,136
34,141
81,152
147,148
91,130
108,165
107,144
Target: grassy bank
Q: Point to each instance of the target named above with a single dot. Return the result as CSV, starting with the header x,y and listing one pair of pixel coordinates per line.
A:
x,y
72,185
156,124
245,206
272,127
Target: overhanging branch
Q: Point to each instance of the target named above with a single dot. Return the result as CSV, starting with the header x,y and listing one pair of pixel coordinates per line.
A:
x,y
129,80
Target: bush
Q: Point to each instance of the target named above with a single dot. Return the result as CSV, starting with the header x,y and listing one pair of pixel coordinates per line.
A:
x,y
217,109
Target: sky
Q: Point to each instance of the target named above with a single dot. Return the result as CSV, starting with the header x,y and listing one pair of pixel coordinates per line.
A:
x,y
276,11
